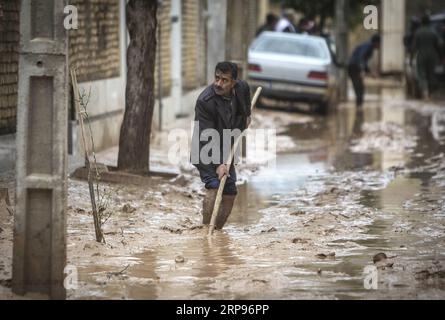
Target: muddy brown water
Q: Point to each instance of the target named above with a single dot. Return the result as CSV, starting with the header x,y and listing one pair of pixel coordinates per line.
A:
x,y
413,236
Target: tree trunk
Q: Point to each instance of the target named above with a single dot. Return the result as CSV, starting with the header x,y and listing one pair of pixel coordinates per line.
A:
x,y
134,142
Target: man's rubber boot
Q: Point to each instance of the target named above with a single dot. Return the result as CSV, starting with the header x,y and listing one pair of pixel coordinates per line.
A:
x,y
207,205
224,211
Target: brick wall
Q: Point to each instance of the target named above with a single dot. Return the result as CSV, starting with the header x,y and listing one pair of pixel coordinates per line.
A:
x,y
190,30
202,45
9,57
165,25
193,45
94,47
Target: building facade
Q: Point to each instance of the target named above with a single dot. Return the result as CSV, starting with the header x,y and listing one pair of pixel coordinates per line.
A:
x,y
97,50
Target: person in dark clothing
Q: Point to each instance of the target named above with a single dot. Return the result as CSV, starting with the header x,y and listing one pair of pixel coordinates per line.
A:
x,y
426,49
271,23
221,107
358,63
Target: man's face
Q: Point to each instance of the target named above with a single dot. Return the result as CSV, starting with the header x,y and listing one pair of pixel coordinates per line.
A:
x,y
223,83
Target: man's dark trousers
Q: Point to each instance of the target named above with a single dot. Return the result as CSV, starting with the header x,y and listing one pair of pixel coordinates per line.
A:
x,y
354,71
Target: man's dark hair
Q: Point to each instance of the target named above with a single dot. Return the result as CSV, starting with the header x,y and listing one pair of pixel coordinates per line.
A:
x,y
228,67
271,19
425,20
375,39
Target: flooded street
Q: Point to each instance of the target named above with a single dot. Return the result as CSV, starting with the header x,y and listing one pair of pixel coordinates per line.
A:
x,y
309,227
317,127
345,188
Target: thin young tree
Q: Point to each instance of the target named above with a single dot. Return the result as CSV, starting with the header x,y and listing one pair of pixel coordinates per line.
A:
x,y
134,141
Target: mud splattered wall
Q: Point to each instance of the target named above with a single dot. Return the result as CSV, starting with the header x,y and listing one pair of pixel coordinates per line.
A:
x,y
94,47
9,57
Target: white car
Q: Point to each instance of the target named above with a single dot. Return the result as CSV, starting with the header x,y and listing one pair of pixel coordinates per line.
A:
x,y
293,67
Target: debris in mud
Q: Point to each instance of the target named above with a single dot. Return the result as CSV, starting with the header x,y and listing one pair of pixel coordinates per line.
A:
x,y
324,256
307,222
172,230
179,259
428,274
270,244
379,257
186,222
92,245
381,261
299,240
10,210
384,136
188,195
333,189
120,274
6,283
189,225
127,208
328,231
111,233
434,165
273,229
260,281
5,203
196,227
396,168
181,180
297,213
384,264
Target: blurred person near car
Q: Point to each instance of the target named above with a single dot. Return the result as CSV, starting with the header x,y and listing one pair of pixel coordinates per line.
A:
x,y
358,64
269,25
307,26
286,22
426,50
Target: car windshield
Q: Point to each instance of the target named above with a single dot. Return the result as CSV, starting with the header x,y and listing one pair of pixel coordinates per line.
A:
x,y
298,47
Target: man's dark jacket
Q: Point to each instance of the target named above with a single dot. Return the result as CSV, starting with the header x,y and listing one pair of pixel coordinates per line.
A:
x,y
210,113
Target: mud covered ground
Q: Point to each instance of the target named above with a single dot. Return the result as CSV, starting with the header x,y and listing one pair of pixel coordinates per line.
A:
x,y
345,188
